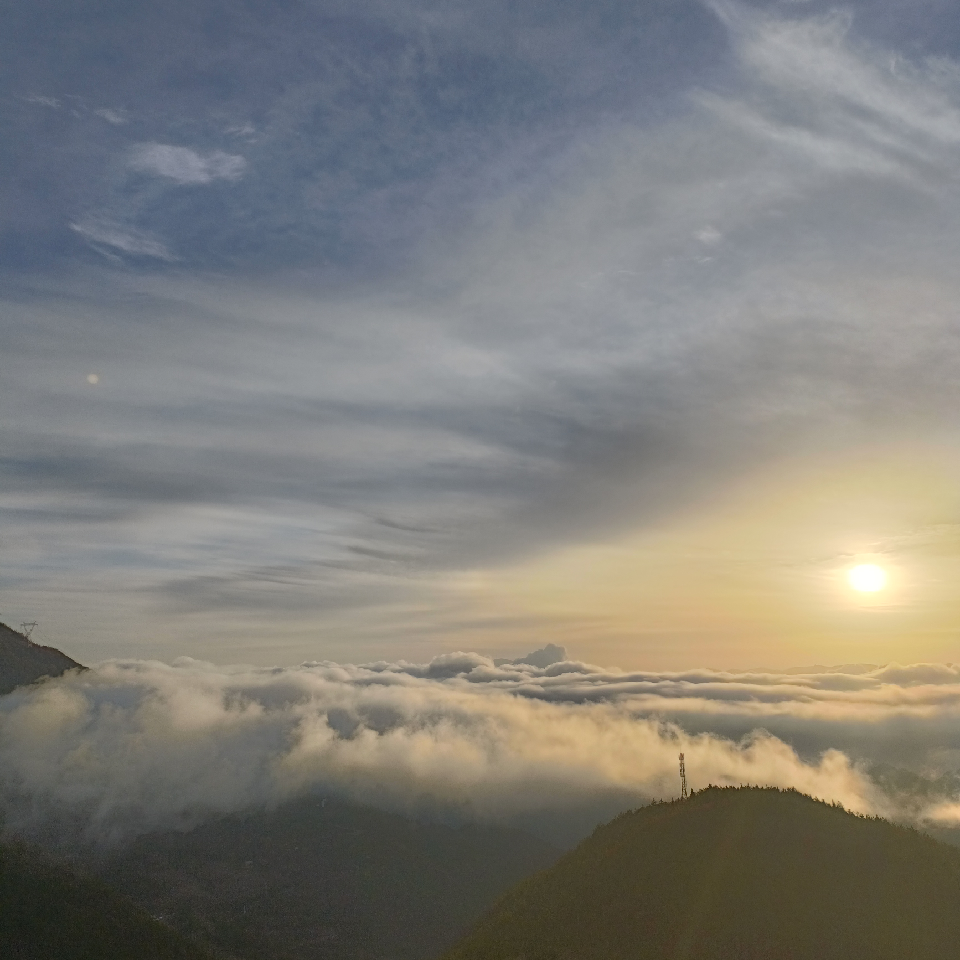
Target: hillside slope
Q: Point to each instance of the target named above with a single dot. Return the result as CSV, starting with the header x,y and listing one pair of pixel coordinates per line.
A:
x,y
22,661
751,874
48,912
326,880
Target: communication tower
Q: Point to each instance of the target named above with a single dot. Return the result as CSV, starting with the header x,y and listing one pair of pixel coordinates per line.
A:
x,y
683,779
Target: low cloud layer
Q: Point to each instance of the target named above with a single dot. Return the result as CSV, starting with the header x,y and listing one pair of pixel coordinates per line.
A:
x,y
136,745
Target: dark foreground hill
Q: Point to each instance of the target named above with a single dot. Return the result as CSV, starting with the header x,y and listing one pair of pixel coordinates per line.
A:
x,y
734,874
326,880
22,661
48,912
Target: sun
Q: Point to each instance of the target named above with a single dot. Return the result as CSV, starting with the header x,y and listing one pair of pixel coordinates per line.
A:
x,y
867,578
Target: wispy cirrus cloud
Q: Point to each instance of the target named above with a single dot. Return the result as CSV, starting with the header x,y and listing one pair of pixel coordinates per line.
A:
x,y
184,165
116,117
108,235
843,104
506,328
43,100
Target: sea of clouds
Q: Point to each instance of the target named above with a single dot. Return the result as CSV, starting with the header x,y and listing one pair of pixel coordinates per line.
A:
x,y
131,746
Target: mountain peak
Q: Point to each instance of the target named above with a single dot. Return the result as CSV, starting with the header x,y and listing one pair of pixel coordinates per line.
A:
x,y
752,873
22,661
543,658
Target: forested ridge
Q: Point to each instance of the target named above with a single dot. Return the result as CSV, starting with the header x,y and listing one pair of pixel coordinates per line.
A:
x,y
50,912
745,873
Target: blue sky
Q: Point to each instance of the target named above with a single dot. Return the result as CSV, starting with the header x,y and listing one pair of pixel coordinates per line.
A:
x,y
376,329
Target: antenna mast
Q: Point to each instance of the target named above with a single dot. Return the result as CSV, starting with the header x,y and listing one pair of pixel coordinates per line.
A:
x,y
27,628
683,779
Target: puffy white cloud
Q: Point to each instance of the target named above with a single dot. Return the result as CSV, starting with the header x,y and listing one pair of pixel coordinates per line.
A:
x,y
135,745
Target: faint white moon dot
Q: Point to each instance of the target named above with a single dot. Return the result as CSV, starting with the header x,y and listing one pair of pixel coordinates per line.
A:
x,y
92,378
867,578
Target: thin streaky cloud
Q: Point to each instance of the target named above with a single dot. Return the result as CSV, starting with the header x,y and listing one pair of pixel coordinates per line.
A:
x,y
118,237
186,166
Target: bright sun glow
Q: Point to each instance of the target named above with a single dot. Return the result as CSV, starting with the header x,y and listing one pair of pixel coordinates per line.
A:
x,y
867,578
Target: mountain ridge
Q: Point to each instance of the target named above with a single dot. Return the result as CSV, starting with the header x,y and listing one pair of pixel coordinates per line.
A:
x,y
49,911
748,873
23,662
324,879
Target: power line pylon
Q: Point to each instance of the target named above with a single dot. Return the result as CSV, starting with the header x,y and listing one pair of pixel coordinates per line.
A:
x,y
683,779
27,628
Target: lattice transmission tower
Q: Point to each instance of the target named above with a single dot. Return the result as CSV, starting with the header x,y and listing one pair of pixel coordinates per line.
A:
x,y
683,779
27,628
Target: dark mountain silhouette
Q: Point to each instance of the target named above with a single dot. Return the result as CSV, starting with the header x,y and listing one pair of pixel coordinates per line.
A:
x,y
48,912
325,879
544,657
22,661
750,873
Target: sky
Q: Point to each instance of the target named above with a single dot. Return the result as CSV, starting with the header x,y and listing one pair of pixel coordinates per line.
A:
x,y
380,331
